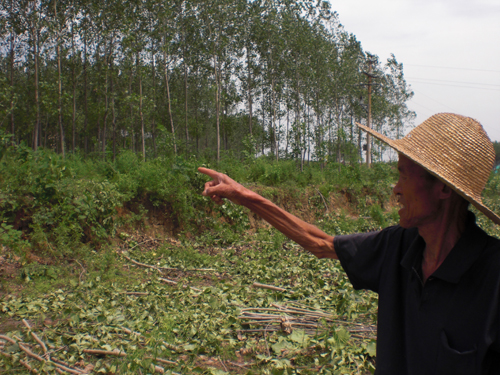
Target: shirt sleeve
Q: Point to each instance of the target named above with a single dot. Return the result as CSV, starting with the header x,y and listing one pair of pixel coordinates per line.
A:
x,y
365,256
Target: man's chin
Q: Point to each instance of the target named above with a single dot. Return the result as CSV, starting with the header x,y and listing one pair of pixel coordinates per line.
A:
x,y
404,223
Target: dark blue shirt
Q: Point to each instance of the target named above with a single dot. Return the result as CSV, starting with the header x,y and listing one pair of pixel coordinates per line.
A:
x,y
450,324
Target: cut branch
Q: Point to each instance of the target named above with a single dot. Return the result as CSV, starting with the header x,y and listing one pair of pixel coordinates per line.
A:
x,y
9,339
271,287
116,352
34,335
168,281
166,268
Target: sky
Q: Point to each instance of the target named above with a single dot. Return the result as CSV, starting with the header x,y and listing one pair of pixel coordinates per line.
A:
x,y
450,50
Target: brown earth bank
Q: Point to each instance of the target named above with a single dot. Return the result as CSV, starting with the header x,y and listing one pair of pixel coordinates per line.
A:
x,y
161,222
308,204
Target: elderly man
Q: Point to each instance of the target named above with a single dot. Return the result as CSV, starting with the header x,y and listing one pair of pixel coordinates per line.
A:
x,y
437,273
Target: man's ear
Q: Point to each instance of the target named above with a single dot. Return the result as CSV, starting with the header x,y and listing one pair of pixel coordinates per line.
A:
x,y
445,191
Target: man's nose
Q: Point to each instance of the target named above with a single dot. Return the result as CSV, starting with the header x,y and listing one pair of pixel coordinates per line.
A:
x,y
396,189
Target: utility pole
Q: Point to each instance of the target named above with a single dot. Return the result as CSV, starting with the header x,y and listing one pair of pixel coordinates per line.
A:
x,y
368,136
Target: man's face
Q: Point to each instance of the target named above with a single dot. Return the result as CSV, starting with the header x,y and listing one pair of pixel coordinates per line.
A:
x,y
418,195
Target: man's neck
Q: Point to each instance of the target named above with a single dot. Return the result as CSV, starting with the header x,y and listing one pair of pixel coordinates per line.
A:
x,y
440,237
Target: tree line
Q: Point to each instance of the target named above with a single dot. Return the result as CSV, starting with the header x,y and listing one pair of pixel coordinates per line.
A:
x,y
194,77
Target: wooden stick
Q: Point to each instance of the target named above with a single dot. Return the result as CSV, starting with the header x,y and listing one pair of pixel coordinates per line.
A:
x,y
37,357
35,336
158,268
31,354
30,369
161,360
223,365
7,338
271,287
126,330
323,198
159,369
140,264
116,352
175,283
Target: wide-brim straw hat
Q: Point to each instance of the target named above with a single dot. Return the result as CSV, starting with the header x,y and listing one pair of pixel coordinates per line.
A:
x,y
455,149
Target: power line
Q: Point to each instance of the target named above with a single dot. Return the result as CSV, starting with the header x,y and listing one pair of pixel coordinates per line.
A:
x,y
467,83
466,87
449,67
434,100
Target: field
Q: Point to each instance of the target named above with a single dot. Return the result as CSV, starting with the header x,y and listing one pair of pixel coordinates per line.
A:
x,y
125,268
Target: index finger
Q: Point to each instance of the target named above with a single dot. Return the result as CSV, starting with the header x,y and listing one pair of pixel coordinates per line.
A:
x,y
209,172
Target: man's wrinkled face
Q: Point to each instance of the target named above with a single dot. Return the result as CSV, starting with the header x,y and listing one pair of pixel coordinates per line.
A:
x,y
418,194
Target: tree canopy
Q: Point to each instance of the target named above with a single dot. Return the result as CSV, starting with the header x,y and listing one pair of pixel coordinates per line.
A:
x,y
274,77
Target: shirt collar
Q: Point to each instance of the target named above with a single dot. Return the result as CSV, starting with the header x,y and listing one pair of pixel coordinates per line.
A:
x,y
459,260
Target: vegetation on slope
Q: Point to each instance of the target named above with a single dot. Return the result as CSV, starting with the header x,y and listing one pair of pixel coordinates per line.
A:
x,y
118,267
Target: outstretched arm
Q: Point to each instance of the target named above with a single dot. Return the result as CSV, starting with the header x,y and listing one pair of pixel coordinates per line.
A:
x,y
308,236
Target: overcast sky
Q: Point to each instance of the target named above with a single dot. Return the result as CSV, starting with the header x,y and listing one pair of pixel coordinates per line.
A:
x,y
450,50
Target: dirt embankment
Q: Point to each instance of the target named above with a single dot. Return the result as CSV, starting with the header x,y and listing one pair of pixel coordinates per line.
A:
x,y
309,204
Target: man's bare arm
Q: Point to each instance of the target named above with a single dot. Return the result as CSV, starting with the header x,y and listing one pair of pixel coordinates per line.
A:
x,y
308,236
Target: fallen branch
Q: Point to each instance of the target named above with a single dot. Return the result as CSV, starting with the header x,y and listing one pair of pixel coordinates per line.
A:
x,y
120,353
81,273
271,287
161,360
140,264
9,339
116,352
30,369
158,268
161,370
175,283
323,198
272,319
37,357
34,335
31,354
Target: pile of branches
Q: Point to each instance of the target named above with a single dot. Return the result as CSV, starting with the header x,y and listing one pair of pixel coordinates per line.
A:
x,y
289,316
13,346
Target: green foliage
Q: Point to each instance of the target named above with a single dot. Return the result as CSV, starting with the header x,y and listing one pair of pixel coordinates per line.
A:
x,y
496,146
57,211
72,207
91,310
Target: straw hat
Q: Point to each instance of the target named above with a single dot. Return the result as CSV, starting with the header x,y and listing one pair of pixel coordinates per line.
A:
x,y
455,149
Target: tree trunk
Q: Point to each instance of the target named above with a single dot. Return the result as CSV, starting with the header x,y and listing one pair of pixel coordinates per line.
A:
x,y
168,95
275,142
185,94
106,105
85,97
36,47
249,67
131,110
140,109
73,73
59,83
217,119
12,124
153,123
